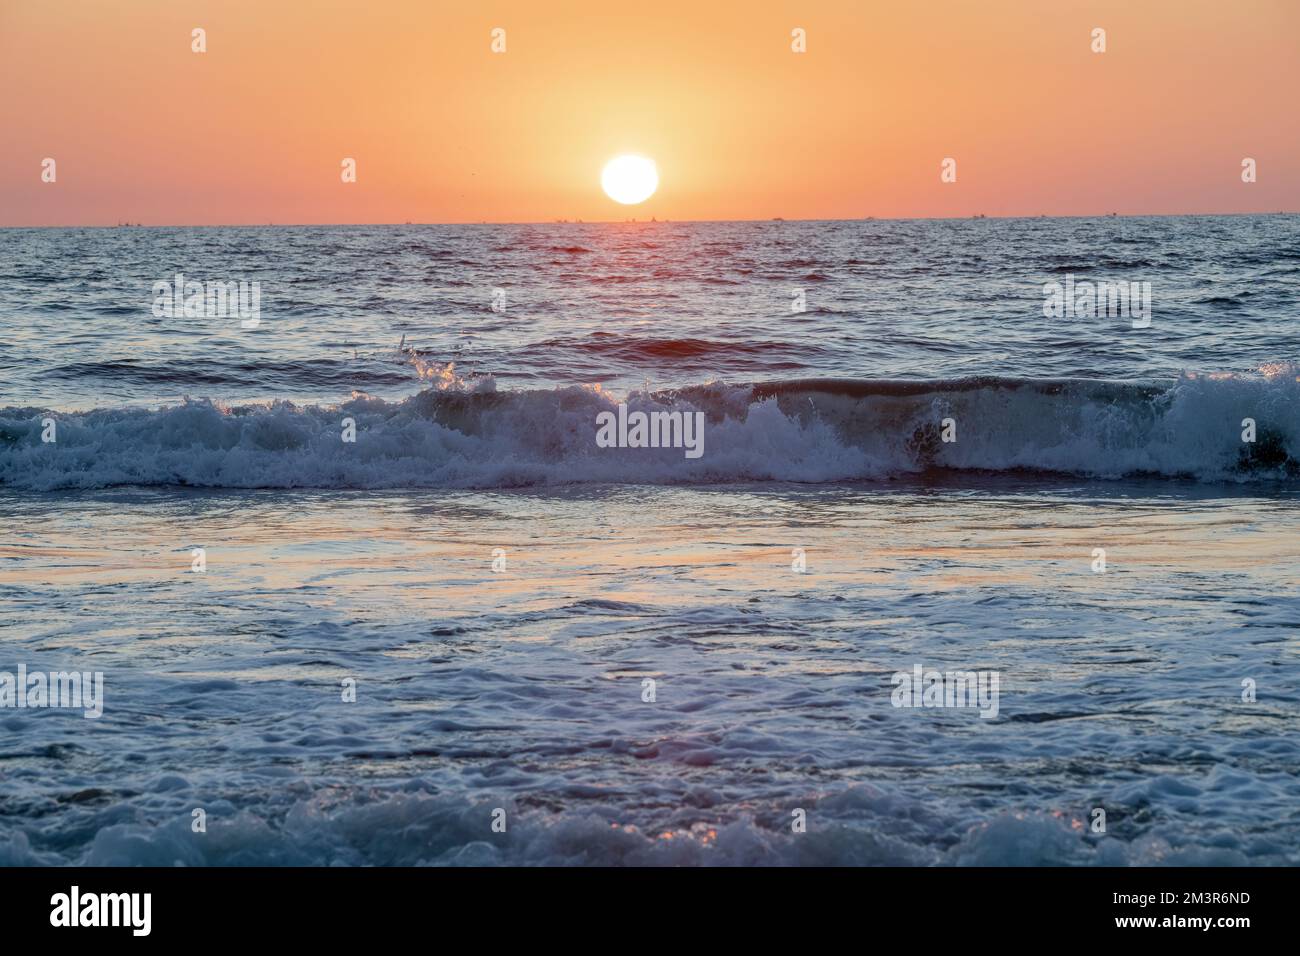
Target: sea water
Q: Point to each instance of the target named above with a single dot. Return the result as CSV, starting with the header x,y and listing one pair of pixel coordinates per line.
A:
x,y
473,634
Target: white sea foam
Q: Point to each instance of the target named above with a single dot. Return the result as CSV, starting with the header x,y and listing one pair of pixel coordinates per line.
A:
x,y
858,826
1121,691
479,437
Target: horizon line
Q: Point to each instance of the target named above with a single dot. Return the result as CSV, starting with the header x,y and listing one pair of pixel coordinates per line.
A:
x,y
646,222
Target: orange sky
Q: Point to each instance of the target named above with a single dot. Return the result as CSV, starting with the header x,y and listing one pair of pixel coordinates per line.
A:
x,y
444,130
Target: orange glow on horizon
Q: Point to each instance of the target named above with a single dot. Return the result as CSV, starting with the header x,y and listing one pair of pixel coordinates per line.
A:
x,y
445,130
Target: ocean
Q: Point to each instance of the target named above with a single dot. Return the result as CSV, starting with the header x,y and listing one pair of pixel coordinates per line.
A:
x,y
365,588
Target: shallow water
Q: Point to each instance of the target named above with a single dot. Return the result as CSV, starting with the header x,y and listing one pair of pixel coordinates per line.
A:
x,y
523,689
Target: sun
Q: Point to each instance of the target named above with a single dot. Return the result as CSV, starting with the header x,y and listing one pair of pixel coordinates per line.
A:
x,y
630,179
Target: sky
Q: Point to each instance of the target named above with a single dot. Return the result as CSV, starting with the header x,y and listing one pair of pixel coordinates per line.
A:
x,y
740,126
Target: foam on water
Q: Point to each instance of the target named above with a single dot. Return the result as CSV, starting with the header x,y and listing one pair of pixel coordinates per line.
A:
x,y
419,829
523,690
473,435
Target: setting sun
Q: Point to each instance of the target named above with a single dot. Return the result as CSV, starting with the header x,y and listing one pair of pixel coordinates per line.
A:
x,y
629,179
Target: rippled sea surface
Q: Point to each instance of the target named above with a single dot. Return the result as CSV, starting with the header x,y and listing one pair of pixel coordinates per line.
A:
x,y
670,304
497,589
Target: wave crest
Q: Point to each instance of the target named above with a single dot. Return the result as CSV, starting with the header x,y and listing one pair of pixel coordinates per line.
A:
x,y
475,436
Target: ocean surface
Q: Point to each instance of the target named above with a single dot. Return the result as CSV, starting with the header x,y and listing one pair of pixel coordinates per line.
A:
x,y
626,655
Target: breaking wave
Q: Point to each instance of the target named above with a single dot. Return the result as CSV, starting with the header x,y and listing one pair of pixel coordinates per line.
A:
x,y
472,435
861,826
